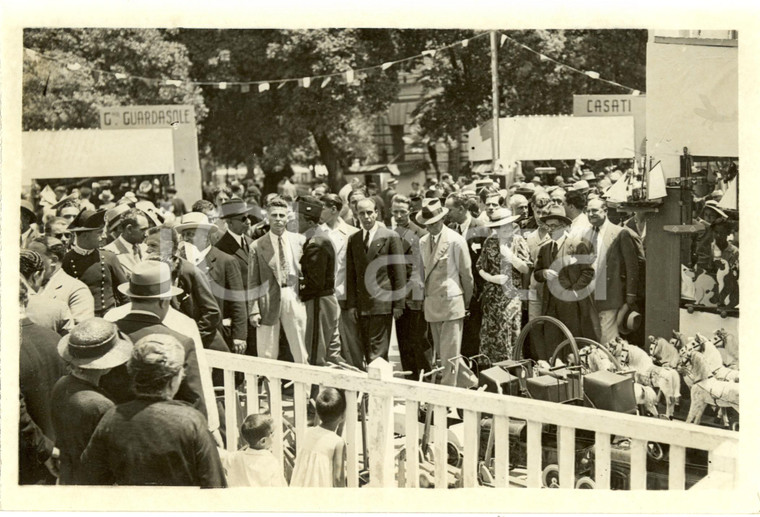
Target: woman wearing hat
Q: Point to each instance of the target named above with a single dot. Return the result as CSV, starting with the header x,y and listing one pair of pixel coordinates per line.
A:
x,y
91,349
153,440
503,262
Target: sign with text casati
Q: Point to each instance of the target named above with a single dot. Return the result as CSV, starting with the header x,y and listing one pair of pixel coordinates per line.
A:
x,y
181,118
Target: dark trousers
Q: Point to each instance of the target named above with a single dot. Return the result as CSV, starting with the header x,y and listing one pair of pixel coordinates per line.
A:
x,y
411,333
375,335
471,332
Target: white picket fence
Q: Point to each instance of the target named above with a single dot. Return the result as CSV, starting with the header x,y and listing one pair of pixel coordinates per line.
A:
x,y
389,468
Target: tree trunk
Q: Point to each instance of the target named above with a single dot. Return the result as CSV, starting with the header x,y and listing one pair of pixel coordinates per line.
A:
x,y
331,160
455,156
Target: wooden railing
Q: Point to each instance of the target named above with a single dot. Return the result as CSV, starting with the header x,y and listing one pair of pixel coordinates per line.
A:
x,y
388,468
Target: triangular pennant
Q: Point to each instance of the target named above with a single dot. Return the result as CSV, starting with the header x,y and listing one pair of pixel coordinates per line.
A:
x,y
465,43
263,87
503,39
119,75
386,66
326,80
656,183
222,86
306,82
350,76
245,88
47,196
592,74
430,52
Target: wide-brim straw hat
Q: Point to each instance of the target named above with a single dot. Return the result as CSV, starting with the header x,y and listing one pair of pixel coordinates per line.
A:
x,y
150,279
432,211
628,320
104,346
500,217
194,221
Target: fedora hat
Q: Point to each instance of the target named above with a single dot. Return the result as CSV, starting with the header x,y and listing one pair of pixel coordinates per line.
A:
x,y
106,196
234,207
555,216
628,320
88,220
432,211
95,344
500,217
193,221
581,186
588,176
27,207
150,279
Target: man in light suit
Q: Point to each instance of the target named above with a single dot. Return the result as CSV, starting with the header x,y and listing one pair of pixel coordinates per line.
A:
x,y
339,231
474,232
448,284
59,285
616,265
375,281
273,277
129,247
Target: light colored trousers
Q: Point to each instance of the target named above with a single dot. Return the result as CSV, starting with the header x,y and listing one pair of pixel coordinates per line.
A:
x,y
447,342
608,321
293,321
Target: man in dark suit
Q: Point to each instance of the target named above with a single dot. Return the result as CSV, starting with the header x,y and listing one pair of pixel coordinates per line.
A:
x,y
411,328
40,367
375,280
474,232
150,290
222,273
236,243
616,265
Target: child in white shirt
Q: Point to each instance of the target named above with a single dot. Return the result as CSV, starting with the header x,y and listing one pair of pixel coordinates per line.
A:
x,y
254,465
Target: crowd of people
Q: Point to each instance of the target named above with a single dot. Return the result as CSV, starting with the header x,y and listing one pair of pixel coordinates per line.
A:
x,y
120,298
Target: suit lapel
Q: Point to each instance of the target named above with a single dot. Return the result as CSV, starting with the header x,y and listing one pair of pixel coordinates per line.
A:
x,y
376,244
441,248
267,251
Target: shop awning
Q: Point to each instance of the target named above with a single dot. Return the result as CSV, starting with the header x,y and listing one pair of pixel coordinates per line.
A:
x,y
396,169
557,138
94,153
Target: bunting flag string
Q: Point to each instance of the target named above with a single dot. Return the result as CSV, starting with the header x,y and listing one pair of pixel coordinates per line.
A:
x,y
351,76
588,73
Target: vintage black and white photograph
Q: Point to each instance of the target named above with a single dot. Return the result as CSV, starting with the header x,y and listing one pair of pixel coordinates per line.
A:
x,y
365,257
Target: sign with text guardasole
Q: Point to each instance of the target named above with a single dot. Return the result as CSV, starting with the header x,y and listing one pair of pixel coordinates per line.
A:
x,y
180,118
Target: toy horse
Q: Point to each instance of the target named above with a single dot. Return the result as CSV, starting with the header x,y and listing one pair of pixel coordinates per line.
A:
x,y
706,389
666,380
595,359
728,348
714,359
664,352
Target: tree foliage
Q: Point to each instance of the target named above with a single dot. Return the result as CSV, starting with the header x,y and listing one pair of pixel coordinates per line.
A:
x,y
332,123
58,97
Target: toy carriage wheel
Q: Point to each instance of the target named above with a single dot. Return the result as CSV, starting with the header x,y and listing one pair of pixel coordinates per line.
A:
x,y
655,451
735,425
455,457
550,476
585,483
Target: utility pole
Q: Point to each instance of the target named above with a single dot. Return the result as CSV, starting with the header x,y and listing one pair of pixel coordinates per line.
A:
x,y
494,99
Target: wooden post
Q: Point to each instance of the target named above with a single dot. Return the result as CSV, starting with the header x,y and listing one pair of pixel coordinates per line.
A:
x,y
494,99
381,471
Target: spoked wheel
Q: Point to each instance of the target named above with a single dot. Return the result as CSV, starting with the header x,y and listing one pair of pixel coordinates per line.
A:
x,y
585,483
656,451
550,476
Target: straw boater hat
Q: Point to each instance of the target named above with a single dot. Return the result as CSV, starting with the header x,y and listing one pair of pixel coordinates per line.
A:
x,y
150,279
713,205
106,196
194,221
588,176
500,217
88,220
432,211
95,344
234,207
581,186
628,320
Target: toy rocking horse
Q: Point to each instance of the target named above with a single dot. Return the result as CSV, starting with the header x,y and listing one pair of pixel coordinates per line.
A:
x,y
705,389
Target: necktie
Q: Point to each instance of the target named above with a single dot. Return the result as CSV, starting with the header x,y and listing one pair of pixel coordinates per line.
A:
x,y
595,238
136,250
366,241
283,263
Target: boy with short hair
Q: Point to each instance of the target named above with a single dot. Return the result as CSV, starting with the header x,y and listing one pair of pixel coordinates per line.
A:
x,y
254,465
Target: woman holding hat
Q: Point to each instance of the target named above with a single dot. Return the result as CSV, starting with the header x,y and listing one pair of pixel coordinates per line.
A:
x,y
503,262
154,440
91,349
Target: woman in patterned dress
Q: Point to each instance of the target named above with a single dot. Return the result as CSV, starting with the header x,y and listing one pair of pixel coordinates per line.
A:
x,y
503,262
